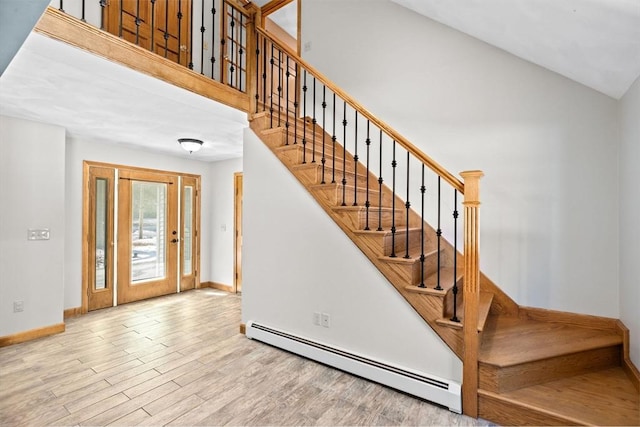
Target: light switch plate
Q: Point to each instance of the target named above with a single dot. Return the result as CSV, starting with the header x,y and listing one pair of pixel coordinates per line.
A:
x,y
38,234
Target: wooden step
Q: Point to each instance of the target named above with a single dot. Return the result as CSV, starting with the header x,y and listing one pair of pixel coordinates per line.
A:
x,y
356,216
314,173
280,136
517,353
484,306
296,155
383,242
603,397
332,195
410,269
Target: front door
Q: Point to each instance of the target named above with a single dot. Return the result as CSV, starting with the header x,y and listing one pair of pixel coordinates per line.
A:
x,y
161,26
147,235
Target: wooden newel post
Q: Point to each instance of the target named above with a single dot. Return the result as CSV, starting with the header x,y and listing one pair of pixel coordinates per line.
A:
x,y
471,291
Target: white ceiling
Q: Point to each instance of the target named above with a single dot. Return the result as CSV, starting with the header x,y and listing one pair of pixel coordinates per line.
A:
x,y
96,99
594,42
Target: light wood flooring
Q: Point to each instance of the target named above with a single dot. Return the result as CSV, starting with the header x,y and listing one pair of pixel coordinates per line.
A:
x,y
180,360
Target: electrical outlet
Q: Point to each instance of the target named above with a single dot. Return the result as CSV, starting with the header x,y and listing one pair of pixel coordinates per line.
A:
x,y
307,46
316,318
18,306
38,234
326,320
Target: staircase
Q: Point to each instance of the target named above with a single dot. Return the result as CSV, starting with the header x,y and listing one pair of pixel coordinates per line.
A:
x,y
534,366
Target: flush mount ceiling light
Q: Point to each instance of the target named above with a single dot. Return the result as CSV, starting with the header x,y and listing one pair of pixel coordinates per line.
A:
x,y
190,144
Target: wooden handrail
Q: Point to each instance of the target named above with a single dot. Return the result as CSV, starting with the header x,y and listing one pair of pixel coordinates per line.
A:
x,y
392,133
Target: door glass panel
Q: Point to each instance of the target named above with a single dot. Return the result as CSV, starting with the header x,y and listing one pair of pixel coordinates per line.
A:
x,y
149,222
101,233
187,233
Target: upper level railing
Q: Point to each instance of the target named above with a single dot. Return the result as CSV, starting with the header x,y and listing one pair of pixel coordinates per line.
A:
x,y
207,36
361,153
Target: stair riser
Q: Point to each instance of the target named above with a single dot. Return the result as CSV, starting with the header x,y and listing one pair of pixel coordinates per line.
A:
x,y
313,175
496,379
513,414
411,273
358,220
293,155
332,195
384,243
278,138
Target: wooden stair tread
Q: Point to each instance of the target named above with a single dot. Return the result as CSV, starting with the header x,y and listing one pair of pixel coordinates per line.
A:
x,y
605,397
446,282
486,298
509,341
414,257
400,230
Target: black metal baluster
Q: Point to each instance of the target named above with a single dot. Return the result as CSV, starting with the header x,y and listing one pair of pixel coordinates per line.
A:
x,y
423,189
153,24
103,4
240,52
333,140
166,27
394,164
179,29
313,122
272,61
380,181
232,48
295,108
439,234
344,153
407,205
121,20
324,111
367,204
137,22
355,163
190,30
264,74
455,256
202,30
279,87
61,8
83,11
213,39
286,123
257,96
304,117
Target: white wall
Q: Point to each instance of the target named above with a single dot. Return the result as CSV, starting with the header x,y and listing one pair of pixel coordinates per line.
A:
x,y
77,152
547,145
32,195
297,261
222,215
629,208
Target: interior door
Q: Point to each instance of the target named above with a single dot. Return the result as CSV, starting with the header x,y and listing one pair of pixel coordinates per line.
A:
x,y
161,26
100,238
189,224
147,235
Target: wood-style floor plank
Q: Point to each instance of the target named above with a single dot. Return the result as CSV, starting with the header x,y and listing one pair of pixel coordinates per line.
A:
x,y
180,360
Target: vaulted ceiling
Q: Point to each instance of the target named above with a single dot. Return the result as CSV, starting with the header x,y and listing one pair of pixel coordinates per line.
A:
x,y
594,42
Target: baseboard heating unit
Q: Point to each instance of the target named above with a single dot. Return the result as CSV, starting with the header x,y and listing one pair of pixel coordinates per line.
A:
x,y
443,392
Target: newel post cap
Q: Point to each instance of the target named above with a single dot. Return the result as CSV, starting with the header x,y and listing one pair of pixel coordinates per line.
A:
x,y
472,185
